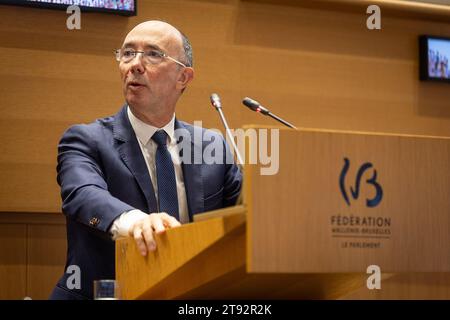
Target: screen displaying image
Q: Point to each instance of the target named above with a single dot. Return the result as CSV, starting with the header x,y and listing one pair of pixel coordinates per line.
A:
x,y
438,58
126,7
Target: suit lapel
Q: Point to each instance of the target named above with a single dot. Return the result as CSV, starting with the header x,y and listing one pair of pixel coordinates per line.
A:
x,y
131,154
192,173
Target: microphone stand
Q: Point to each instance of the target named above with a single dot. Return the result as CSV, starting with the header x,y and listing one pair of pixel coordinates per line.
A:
x,y
270,114
215,100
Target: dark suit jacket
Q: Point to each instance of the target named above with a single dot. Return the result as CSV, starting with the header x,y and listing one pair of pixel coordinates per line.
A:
x,y
102,173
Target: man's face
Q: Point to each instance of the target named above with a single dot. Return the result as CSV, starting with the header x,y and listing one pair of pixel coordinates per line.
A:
x,y
152,86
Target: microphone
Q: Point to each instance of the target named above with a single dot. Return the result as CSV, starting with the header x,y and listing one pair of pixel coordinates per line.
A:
x,y
215,101
257,107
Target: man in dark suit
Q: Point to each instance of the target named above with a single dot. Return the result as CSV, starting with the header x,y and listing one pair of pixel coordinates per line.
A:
x,y
137,173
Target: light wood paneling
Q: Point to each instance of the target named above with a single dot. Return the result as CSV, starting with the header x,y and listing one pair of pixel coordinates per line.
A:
x,y
46,258
13,261
32,254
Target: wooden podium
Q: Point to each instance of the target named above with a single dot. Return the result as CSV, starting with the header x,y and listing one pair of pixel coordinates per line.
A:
x,y
339,203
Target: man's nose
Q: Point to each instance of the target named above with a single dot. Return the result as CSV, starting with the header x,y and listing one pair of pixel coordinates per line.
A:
x,y
137,64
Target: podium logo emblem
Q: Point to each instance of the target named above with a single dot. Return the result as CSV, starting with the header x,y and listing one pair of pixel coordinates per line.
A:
x,y
354,191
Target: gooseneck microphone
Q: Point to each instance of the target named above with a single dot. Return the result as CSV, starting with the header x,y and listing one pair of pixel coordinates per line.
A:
x,y
257,107
215,101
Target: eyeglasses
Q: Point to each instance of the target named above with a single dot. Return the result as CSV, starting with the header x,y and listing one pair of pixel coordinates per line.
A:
x,y
150,56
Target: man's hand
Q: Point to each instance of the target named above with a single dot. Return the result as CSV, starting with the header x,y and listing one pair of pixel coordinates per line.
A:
x,y
142,230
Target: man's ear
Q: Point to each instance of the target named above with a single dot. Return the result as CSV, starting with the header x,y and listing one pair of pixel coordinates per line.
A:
x,y
185,77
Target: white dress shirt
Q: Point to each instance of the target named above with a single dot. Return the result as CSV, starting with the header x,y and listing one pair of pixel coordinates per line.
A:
x,y
144,133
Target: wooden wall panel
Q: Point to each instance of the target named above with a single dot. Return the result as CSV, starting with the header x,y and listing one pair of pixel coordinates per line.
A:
x,y
46,258
13,260
327,70
32,254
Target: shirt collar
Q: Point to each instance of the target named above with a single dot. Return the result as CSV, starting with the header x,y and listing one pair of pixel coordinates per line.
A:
x,y
144,131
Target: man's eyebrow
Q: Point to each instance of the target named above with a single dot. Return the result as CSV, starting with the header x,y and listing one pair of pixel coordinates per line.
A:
x,y
147,46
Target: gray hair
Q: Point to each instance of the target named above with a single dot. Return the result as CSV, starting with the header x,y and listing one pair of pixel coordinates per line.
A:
x,y
187,47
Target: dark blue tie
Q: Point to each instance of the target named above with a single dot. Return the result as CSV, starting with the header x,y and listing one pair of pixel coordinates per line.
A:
x,y
165,174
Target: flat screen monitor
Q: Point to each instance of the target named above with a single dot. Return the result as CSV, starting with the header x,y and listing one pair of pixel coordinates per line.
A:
x,y
434,58
122,7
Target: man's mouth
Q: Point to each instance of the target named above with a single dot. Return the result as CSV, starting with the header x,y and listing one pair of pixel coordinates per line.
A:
x,y
134,85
